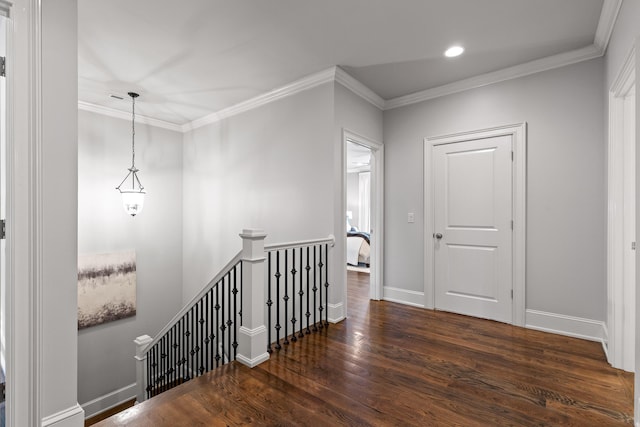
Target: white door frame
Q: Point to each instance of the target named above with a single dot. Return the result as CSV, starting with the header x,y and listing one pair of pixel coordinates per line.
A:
x,y
518,133
377,210
619,293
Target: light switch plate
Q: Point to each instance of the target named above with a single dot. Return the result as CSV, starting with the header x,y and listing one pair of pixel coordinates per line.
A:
x,y
411,217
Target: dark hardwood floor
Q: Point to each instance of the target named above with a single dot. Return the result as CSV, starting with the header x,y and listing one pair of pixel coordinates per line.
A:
x,y
390,364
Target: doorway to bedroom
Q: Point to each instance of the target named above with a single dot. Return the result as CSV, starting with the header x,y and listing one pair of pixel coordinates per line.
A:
x,y
363,184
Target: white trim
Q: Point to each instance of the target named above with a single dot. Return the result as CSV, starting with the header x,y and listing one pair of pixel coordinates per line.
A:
x,y
24,215
331,240
252,363
336,312
377,211
112,112
617,294
605,340
292,88
608,16
358,88
108,401
520,70
577,327
5,7
70,417
253,332
403,296
518,132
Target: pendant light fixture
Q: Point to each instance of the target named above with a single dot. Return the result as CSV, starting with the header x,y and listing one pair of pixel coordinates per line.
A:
x,y
132,198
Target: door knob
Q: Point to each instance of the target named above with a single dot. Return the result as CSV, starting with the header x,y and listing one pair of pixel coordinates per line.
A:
x,y
438,236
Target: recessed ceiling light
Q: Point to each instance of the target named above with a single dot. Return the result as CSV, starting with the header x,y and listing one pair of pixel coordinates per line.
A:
x,y
454,51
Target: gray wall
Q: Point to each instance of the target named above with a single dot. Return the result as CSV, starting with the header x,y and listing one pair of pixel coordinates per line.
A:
x,y
59,178
105,352
269,168
565,184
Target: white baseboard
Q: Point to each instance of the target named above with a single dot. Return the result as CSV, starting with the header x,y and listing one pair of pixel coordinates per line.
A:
x,y
252,363
403,296
336,313
70,417
110,400
577,327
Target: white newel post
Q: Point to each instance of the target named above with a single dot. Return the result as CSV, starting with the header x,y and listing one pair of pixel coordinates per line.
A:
x,y
141,367
252,342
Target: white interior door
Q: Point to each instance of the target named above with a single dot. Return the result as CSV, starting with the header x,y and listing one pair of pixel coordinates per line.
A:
x,y
473,227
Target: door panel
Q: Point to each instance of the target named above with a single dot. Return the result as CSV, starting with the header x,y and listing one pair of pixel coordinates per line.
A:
x,y
472,212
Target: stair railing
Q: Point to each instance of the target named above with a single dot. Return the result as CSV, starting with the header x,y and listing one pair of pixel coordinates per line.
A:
x,y
226,320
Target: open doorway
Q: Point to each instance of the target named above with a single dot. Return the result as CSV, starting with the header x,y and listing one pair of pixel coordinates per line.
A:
x,y
362,210
358,208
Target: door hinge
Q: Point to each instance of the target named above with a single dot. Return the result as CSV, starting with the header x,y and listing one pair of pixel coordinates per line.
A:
x,y
3,229
633,246
3,66
512,156
511,293
512,224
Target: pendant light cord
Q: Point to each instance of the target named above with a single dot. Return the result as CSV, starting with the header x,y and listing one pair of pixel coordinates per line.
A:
x,y
133,134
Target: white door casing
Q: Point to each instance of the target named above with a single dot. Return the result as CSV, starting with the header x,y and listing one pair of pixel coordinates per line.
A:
x,y
515,136
472,215
620,343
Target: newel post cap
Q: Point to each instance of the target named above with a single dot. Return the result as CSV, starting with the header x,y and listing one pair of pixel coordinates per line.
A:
x,y
253,233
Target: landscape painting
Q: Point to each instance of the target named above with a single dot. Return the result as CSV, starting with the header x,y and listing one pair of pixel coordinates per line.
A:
x,y
106,287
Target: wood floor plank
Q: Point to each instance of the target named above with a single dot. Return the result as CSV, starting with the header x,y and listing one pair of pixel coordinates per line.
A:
x,y
390,364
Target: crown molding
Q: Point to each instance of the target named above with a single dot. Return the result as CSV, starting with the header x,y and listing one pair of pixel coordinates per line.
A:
x,y
297,86
112,112
608,16
358,88
521,70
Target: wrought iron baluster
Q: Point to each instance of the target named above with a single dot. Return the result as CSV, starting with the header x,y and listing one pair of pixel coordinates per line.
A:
x,y
315,289
201,343
308,313
217,324
326,285
235,313
229,322
240,312
196,338
149,377
301,294
285,298
165,362
293,298
185,349
212,333
277,297
320,265
174,361
222,325
269,304
192,335
205,349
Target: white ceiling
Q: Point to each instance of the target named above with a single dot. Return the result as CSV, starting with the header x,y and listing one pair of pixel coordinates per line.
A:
x,y
192,58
